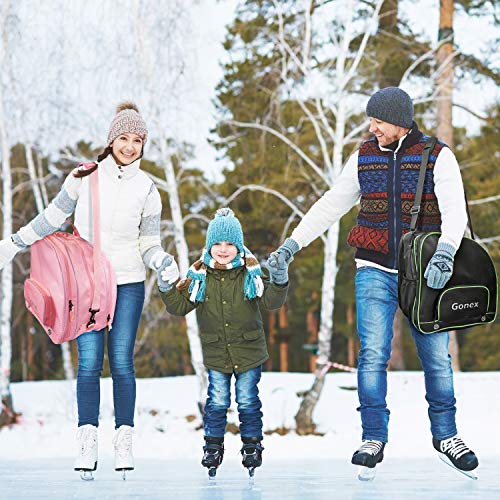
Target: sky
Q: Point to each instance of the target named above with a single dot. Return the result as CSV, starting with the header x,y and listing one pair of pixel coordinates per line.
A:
x,y
91,94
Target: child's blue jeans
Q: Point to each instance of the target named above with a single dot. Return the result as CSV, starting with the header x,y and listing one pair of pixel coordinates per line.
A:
x,y
247,399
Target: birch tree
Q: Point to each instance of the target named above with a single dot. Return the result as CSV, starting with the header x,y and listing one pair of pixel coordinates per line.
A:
x,y
160,59
6,412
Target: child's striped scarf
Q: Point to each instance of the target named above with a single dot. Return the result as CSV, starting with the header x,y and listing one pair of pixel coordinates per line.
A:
x,y
197,275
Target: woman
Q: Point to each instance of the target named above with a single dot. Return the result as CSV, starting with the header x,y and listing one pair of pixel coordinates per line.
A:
x,y
130,236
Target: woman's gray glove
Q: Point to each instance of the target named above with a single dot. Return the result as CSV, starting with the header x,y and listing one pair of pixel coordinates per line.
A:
x,y
167,271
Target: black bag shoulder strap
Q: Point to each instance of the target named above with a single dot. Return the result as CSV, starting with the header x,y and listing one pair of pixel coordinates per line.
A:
x,y
415,210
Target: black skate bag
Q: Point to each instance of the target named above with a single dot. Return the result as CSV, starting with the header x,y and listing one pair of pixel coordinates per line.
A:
x,y
470,296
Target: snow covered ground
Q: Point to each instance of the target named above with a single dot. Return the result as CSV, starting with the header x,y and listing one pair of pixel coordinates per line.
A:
x,y
36,455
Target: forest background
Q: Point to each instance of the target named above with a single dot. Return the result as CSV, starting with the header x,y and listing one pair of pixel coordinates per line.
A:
x,y
266,133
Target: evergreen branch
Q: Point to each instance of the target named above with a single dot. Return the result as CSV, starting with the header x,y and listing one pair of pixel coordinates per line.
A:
x,y
473,113
284,139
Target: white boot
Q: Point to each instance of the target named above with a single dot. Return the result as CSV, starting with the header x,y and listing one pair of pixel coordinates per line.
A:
x,y
124,460
86,459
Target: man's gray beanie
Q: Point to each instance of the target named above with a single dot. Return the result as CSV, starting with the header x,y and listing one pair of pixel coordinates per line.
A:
x,y
391,105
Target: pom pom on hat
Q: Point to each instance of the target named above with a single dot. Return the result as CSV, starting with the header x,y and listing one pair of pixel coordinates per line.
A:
x,y
126,105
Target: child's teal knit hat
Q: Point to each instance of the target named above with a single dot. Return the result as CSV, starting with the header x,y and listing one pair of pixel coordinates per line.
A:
x,y
224,227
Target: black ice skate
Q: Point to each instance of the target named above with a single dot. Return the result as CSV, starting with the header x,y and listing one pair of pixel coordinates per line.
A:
x,y
369,454
456,454
213,453
251,453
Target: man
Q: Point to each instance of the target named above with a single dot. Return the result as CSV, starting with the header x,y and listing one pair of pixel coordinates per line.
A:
x,y
384,173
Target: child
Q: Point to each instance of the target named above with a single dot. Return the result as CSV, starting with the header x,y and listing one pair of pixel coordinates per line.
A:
x,y
227,287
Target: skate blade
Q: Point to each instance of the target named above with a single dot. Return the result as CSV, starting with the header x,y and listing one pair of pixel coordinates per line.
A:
x,y
469,473
366,474
212,471
86,475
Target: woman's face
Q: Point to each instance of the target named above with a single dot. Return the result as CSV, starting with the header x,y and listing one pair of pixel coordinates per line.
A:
x,y
126,148
223,252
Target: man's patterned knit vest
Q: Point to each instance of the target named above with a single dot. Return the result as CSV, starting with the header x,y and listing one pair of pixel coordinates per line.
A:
x,y
388,182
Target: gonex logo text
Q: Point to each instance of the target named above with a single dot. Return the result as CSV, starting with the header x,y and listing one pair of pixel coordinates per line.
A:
x,y
470,305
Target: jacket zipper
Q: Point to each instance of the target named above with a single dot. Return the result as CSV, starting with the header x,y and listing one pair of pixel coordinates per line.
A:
x,y
395,210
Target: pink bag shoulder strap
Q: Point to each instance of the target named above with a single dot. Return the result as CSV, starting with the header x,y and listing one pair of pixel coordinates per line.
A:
x,y
96,230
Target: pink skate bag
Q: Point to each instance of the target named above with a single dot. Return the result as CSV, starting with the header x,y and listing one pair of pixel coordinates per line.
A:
x,y
72,286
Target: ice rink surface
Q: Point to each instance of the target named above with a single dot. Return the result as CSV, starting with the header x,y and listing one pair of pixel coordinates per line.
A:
x,y
309,479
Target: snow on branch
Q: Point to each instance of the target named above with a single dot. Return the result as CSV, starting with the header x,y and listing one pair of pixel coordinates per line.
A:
x,y
480,201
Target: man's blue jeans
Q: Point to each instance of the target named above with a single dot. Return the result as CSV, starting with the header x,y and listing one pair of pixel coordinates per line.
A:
x,y
121,341
247,399
376,303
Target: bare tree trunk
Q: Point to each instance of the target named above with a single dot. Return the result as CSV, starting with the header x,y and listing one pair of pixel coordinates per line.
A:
x,y
283,321
303,418
7,414
312,330
397,361
183,257
444,59
351,355
444,105
272,338
30,359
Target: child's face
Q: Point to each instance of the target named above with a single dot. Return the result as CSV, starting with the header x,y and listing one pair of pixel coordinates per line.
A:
x,y
223,252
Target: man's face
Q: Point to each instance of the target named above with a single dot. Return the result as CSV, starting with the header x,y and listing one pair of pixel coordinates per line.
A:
x,y
386,133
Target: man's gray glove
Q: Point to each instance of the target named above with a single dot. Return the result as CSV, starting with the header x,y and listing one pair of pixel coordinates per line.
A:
x,y
8,250
440,267
280,259
289,247
167,271
278,270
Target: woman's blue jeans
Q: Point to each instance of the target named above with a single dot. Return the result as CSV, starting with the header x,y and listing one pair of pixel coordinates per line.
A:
x,y
376,304
247,399
121,341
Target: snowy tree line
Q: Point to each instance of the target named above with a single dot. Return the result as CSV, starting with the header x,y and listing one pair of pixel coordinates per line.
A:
x,y
290,111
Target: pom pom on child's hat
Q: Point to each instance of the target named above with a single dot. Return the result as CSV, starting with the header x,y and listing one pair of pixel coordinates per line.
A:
x,y
225,226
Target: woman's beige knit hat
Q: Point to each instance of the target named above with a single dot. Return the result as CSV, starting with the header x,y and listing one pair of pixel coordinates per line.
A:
x,y
127,120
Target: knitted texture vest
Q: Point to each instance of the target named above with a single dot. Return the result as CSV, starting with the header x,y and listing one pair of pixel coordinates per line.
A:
x,y
388,182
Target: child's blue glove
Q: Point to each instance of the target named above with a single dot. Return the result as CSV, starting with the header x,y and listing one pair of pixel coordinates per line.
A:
x,y
440,267
278,269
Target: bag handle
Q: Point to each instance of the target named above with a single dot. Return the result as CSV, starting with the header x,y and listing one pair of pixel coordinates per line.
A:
x,y
96,237
415,210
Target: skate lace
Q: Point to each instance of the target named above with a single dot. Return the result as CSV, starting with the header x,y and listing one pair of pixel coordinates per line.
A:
x,y
454,447
371,447
123,443
87,439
